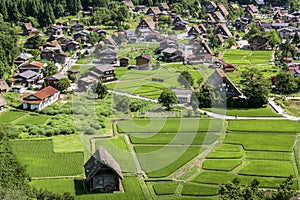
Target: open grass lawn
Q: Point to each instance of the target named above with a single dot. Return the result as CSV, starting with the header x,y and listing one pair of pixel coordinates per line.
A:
x,y
262,141
225,155
117,147
161,161
251,112
132,191
33,120
10,116
180,138
55,185
165,188
192,189
221,164
268,168
83,68
216,178
282,126
67,143
267,155
41,161
170,125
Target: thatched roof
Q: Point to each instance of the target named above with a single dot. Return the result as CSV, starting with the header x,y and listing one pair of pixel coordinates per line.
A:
x,y
104,158
3,85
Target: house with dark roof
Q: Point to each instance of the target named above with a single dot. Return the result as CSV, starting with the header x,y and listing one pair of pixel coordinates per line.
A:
x,y
210,7
22,58
252,8
259,42
41,99
108,56
201,53
102,72
146,23
194,31
172,55
26,78
77,27
53,79
3,86
124,62
179,23
183,95
28,30
143,62
223,84
103,173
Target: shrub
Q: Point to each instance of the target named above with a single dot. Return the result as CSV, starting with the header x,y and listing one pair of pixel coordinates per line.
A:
x,y
90,131
96,126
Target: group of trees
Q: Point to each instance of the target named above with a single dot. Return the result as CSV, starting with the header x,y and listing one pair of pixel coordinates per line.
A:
x,y
234,190
286,83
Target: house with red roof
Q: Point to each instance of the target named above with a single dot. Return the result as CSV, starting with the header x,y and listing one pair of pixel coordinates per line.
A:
x,y
41,99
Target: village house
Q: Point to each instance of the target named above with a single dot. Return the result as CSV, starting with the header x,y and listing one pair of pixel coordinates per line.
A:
x,y
194,31
259,42
2,103
164,7
155,12
22,58
28,30
102,72
41,99
26,78
33,66
143,62
180,24
109,41
210,7
221,8
124,62
252,8
224,31
201,53
218,16
129,4
183,95
3,86
88,12
223,84
53,79
172,55
108,56
103,173
146,23
51,54
77,27
54,30
140,9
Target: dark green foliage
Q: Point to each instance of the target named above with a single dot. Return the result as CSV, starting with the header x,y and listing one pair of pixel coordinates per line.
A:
x,y
49,70
185,79
121,103
63,84
168,98
286,83
100,90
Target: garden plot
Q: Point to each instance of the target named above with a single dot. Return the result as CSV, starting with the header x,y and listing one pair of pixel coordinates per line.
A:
x,y
262,141
10,116
33,120
278,126
41,161
192,189
170,125
221,164
161,161
247,57
165,188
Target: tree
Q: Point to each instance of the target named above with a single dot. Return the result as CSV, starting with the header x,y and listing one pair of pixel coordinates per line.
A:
x,y
121,103
100,89
63,84
93,38
274,38
231,41
49,69
255,87
185,79
285,190
168,98
37,41
285,82
296,39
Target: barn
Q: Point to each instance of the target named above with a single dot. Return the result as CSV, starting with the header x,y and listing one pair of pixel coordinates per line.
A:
x,y
103,173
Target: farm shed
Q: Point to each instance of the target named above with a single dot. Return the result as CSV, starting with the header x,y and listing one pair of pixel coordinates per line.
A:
x,y
103,173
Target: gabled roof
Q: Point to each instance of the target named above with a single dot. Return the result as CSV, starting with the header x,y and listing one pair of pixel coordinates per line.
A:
x,y
57,76
106,159
253,8
225,29
27,74
219,16
105,68
196,28
150,23
36,64
28,26
165,6
3,85
45,92
222,75
213,4
155,10
129,3
144,57
223,10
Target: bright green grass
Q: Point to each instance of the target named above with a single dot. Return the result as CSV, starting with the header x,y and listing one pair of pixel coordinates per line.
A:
x,y
216,178
170,125
192,189
41,161
262,142
164,188
267,155
120,71
229,147
268,168
180,138
33,120
224,155
161,161
117,147
67,143
10,116
284,126
55,185
247,57
251,112
220,164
